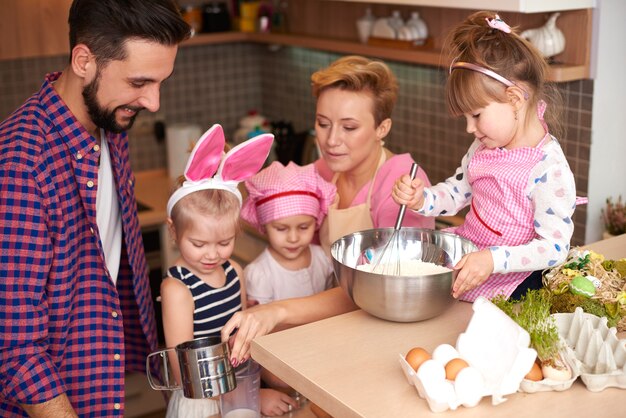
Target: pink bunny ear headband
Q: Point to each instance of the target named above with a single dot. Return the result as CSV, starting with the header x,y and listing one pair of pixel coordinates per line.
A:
x,y
498,24
209,168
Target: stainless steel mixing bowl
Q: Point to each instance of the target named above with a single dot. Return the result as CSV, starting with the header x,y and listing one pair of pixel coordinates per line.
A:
x,y
399,298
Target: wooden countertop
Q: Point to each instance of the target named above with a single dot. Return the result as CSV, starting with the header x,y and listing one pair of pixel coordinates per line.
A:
x,y
152,188
349,366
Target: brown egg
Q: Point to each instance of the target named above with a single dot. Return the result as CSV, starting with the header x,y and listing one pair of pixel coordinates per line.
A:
x,y
535,373
416,356
454,366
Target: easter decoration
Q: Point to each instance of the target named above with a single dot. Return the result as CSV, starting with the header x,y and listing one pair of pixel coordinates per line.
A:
x,y
591,282
532,313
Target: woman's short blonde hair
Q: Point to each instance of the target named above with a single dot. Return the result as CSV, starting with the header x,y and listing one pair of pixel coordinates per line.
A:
x,y
359,74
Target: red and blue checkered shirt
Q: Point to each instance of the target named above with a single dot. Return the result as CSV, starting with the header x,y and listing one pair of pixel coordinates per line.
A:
x,y
64,325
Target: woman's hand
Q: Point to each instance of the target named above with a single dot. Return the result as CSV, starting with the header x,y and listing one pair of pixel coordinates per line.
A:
x,y
275,403
251,323
408,192
475,268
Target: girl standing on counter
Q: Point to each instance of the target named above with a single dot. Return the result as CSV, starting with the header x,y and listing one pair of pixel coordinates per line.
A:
x,y
287,204
514,177
203,289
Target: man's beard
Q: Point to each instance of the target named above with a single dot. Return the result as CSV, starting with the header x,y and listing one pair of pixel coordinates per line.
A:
x,y
102,117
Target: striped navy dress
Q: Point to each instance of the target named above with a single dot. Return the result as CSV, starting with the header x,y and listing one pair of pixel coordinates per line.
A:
x,y
213,307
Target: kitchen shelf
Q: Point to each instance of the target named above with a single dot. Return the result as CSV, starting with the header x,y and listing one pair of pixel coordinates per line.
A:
x,y
523,6
216,38
430,57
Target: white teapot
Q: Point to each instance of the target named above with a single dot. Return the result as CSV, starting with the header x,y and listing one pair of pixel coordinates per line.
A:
x,y
548,39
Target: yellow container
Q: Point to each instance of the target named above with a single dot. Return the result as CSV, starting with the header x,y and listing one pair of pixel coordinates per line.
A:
x,y
249,10
247,24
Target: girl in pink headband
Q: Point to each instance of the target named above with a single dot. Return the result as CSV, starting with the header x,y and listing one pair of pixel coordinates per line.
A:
x,y
514,178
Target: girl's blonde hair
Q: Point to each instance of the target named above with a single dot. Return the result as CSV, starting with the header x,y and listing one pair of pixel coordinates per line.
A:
x,y
507,54
359,74
211,202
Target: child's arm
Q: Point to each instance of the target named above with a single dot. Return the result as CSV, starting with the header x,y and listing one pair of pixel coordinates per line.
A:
x,y
262,319
445,198
553,193
177,305
275,403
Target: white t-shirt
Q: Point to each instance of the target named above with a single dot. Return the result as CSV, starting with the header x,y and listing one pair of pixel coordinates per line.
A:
x,y
108,216
267,281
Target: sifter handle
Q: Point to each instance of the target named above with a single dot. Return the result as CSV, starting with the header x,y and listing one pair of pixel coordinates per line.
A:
x,y
413,173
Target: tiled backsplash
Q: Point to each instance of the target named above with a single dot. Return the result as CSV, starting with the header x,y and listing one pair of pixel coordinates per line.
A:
x,y
220,83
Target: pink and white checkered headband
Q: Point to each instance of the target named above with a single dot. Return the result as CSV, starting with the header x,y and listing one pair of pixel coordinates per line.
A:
x,y
278,192
209,168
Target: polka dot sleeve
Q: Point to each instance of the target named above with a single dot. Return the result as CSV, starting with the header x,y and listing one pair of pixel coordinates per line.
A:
x,y
552,190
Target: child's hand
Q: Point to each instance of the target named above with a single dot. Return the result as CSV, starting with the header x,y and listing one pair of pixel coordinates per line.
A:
x,y
475,268
251,302
275,403
409,193
250,323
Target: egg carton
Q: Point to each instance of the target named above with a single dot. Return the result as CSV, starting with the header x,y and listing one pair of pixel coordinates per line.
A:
x,y
497,351
600,355
547,385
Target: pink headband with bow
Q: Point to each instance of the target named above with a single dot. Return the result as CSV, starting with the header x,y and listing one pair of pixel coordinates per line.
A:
x,y
209,168
497,24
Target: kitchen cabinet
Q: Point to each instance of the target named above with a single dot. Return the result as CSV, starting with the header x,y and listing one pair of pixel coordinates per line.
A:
x,y
39,28
330,26
34,28
523,6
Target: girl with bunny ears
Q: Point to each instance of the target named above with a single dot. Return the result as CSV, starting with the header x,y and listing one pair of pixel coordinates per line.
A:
x,y
204,288
514,177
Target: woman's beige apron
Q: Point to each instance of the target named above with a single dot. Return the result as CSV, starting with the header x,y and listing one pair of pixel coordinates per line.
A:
x,y
340,222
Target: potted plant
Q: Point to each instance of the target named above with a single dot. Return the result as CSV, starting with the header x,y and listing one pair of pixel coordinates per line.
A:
x,y
614,217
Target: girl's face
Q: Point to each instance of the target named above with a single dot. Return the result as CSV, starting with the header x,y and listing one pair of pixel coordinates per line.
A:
x,y
346,130
206,243
290,237
494,125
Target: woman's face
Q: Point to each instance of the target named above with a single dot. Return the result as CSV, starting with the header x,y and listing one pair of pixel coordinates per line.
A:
x,y
346,132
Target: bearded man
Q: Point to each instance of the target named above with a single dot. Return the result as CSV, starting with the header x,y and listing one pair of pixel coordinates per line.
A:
x,y
75,305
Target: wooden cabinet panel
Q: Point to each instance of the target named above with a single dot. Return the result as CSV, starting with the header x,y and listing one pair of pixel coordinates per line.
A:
x,y
331,26
32,28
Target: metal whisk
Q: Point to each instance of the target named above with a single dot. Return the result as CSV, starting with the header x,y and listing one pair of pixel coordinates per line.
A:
x,y
388,260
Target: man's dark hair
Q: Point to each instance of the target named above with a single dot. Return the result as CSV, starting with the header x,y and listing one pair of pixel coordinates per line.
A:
x,y
106,25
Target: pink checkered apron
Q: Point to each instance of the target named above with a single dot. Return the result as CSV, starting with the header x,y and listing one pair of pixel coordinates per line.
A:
x,y
500,212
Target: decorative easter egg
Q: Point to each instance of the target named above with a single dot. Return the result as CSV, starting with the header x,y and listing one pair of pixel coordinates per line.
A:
x,y
582,286
596,282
